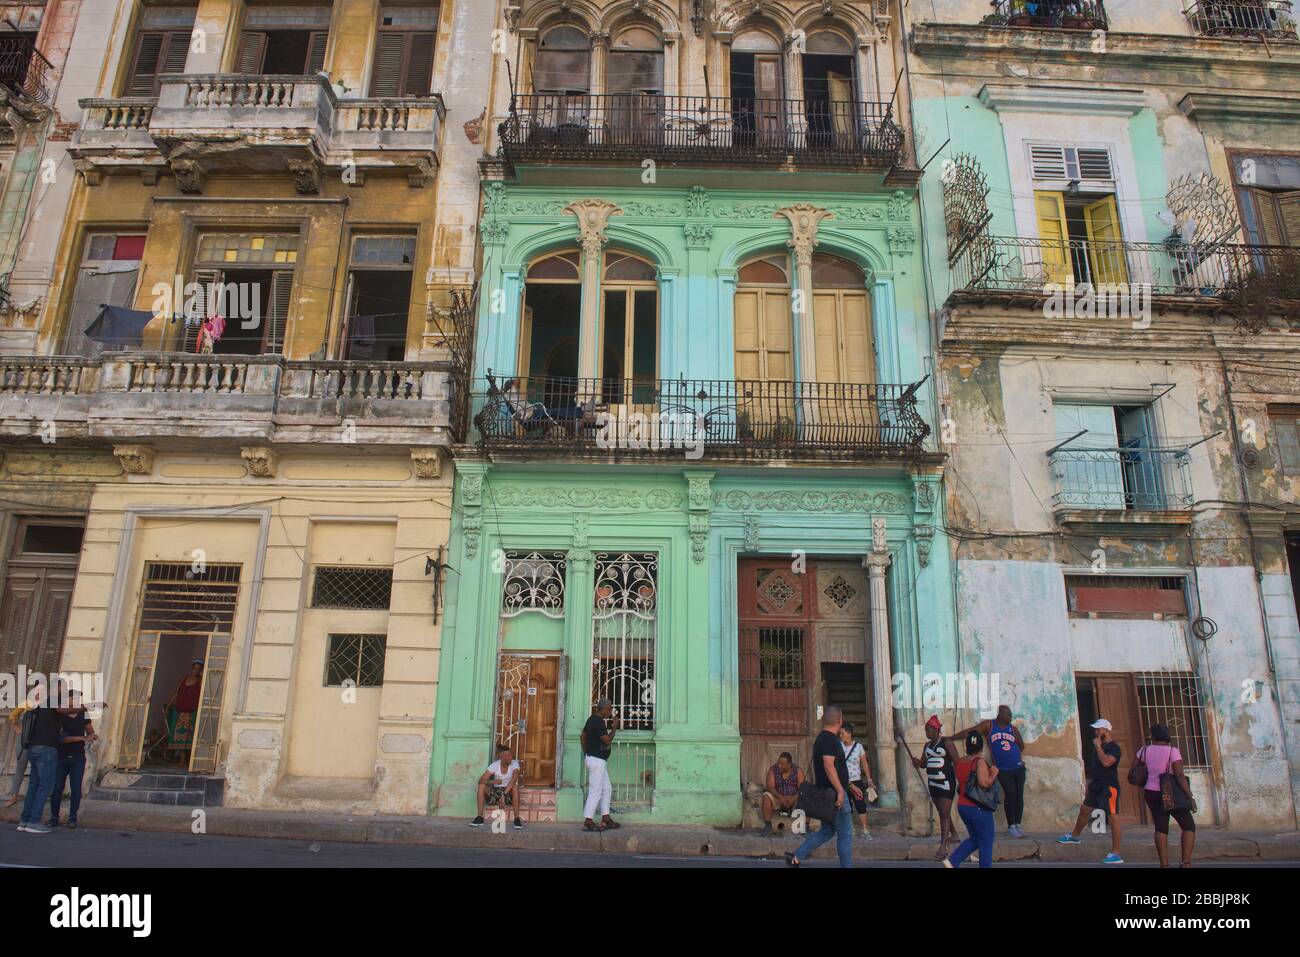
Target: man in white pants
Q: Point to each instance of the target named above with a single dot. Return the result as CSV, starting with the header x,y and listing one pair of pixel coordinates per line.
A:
x,y
597,738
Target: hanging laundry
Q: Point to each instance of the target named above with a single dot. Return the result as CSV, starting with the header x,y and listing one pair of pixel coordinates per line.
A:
x,y
361,338
210,333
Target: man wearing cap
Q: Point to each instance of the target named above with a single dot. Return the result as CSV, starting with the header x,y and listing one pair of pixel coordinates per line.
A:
x,y
1103,790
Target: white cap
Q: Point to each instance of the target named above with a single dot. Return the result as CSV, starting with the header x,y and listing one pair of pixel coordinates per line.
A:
x,y
1102,723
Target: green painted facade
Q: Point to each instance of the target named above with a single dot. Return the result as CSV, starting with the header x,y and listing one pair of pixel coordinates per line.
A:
x,y
697,517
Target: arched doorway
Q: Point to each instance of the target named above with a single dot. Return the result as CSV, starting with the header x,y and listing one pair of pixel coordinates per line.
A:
x,y
758,107
548,330
829,94
635,82
562,84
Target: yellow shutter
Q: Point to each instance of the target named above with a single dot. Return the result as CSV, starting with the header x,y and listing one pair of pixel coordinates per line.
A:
x,y
841,105
1105,249
1050,209
1267,221
857,361
748,337
826,338
526,343
778,339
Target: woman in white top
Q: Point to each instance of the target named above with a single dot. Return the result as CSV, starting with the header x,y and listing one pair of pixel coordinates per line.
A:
x,y
855,756
498,786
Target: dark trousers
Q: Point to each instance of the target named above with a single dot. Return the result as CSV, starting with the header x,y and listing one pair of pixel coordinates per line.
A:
x,y
1013,789
41,763
1160,817
979,825
70,768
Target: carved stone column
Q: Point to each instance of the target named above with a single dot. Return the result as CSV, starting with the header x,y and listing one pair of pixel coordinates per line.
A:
x,y
593,216
882,669
804,219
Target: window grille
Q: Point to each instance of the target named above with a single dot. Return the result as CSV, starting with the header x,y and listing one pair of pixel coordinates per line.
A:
x,y
631,774
355,658
1175,700
780,657
624,627
342,587
534,581
179,599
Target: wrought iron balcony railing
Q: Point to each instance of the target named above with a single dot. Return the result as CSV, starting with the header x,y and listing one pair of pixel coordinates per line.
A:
x,y
549,415
1114,479
23,68
725,130
1053,14
1247,19
1189,270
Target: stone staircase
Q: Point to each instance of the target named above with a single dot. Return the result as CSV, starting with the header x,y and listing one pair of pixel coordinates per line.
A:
x,y
538,805
175,788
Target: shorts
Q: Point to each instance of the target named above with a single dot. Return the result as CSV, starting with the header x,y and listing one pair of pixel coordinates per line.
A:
x,y
1104,797
938,794
498,797
859,804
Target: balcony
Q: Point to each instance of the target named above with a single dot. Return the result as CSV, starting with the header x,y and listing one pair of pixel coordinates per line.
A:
x,y
726,131
217,123
1121,486
1205,273
1243,19
1051,14
24,71
699,418
214,399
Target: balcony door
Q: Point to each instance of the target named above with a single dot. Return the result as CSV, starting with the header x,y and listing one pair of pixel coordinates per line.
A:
x,y
758,111
561,83
284,40
635,84
828,98
764,344
629,332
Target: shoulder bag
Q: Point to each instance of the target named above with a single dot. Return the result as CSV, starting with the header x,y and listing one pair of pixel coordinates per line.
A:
x,y
1137,774
985,797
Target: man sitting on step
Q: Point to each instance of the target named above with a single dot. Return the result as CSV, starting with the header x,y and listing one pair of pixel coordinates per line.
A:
x,y
498,786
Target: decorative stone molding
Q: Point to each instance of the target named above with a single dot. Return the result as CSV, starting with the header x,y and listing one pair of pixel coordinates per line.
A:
x,y
804,219
698,235
901,240
493,232
900,207
879,542
804,500
306,176
422,175
189,175
261,461
699,501
699,536
593,216
135,459
472,524
516,496
471,501
924,494
751,533
697,201
697,484
1076,101
428,463
924,537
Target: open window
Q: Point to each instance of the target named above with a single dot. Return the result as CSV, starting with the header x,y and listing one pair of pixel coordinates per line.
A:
x,y
562,83
379,298
629,330
758,107
1268,192
404,51
548,333
1116,463
162,43
247,280
635,81
107,276
1079,225
828,90
284,40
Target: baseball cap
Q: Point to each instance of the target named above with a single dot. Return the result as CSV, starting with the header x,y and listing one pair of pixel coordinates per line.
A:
x,y
1102,723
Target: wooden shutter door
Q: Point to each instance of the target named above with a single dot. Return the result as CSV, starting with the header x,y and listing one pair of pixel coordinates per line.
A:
x,y
176,51
144,71
419,65
1117,703
281,288
1288,205
826,337
768,112
749,337
390,52
316,52
1105,252
778,336
841,103
858,362
252,52
1050,209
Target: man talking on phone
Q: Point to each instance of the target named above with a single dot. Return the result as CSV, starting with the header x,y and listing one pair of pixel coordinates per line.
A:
x,y
1103,789
597,742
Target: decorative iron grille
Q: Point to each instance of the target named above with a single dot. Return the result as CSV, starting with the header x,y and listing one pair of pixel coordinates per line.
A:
x,y
966,211
1175,699
179,599
1243,19
23,68
1122,478
631,774
624,629
730,130
337,586
534,581
455,324
355,658
1053,14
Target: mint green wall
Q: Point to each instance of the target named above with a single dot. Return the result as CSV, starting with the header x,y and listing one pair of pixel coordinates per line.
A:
x,y
1153,179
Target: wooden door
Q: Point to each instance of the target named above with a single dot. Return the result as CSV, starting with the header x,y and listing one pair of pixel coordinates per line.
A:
x,y
528,710
1116,701
769,107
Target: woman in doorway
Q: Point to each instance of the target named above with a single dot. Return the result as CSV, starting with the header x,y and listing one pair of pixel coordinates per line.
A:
x,y
181,708
1161,757
938,760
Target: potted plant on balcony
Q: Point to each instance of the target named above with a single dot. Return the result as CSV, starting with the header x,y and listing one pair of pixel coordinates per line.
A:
x,y
744,428
783,431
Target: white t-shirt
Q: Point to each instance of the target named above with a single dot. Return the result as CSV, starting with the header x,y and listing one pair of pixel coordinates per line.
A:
x,y
502,779
853,757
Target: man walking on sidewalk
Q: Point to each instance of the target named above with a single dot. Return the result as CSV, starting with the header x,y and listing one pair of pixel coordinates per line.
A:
x,y
830,771
43,757
1103,790
597,743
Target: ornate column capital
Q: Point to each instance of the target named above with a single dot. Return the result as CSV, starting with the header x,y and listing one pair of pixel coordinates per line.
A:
x,y
593,216
804,218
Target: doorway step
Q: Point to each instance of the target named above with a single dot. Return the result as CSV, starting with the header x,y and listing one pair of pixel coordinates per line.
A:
x,y
537,805
149,787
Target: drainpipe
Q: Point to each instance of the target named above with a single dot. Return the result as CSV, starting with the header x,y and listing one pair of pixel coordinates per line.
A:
x,y
1244,491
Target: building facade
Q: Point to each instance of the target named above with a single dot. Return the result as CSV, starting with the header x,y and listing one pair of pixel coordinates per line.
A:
x,y
701,478
1112,237
244,459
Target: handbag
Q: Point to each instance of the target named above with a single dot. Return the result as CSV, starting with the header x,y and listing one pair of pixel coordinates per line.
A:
x,y
1173,797
985,797
1137,774
817,802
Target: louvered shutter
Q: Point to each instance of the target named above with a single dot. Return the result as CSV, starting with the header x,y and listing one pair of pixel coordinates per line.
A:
x,y
1094,163
208,302
1047,162
281,288
1268,222
252,52
316,52
1288,205
145,70
419,64
389,56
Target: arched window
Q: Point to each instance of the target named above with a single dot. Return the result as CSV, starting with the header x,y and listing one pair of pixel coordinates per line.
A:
x,y
758,106
829,89
624,267
563,61
841,321
636,62
548,329
770,270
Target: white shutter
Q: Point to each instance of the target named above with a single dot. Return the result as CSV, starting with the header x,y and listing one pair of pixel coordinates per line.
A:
x,y
1070,162
1047,162
1094,163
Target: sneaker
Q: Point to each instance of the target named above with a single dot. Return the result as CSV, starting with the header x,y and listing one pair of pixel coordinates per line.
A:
x,y
51,824
519,824
1112,858
477,822
767,829
1068,839
72,825
866,836
37,829
948,864
22,827
1015,831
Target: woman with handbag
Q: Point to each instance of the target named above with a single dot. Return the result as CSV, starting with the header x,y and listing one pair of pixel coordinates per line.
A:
x,y
976,801
1168,794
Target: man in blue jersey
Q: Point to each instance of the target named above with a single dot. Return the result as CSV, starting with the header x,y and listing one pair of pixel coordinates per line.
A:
x,y
1006,745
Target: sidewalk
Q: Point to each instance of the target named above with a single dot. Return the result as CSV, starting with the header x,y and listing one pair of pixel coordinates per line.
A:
x,y
677,841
